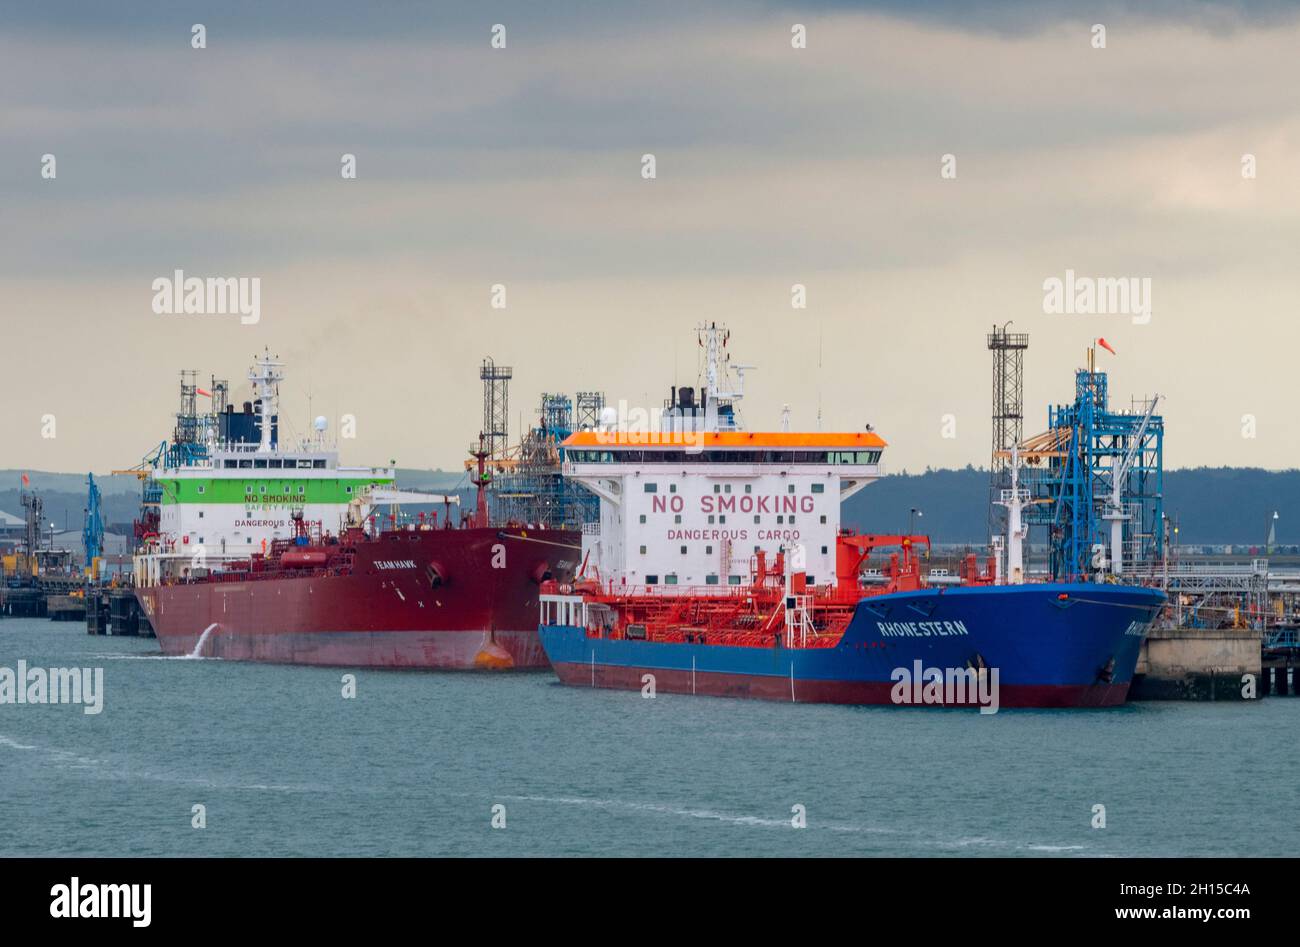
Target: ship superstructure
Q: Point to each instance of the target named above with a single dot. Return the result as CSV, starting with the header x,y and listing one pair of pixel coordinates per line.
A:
x,y
720,566
227,486
693,502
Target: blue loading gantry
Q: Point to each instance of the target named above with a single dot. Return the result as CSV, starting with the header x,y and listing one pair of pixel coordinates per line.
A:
x,y
1097,476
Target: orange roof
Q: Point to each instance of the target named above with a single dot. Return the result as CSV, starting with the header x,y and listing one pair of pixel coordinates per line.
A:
x,y
735,439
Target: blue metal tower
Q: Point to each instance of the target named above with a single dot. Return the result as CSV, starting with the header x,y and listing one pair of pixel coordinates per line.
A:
x,y
1097,476
92,534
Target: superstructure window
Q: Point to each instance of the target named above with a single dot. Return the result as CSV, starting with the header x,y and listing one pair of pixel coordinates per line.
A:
x,y
733,580
643,550
652,580
710,580
652,488
670,579
819,488
642,517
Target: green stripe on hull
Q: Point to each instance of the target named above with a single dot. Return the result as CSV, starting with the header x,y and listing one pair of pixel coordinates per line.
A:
x,y
278,490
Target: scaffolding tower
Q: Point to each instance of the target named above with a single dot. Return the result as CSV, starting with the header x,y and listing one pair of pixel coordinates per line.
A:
x,y
556,413
1008,350
496,407
529,486
589,406
189,436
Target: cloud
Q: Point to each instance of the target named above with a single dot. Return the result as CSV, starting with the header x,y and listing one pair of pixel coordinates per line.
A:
x,y
775,166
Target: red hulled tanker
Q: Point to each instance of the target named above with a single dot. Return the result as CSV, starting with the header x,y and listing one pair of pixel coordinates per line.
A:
x,y
410,597
417,595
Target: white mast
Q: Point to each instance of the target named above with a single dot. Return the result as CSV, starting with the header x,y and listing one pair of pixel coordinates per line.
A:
x,y
714,371
1115,508
265,375
1014,500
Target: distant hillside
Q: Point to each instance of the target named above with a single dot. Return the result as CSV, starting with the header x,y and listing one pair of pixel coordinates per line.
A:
x,y
1212,504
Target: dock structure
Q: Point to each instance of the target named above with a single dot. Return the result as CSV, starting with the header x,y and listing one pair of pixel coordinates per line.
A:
x,y
525,480
115,611
22,602
1199,664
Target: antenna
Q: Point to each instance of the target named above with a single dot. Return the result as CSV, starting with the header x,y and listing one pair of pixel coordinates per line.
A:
x,y
821,327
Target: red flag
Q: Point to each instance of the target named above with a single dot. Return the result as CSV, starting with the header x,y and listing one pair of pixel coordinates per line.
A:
x,y
26,481
1106,345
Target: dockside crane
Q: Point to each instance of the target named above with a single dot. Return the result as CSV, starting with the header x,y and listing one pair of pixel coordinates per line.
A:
x,y
92,534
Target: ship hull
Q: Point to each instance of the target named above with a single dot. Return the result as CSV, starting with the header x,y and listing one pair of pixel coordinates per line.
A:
x,y
455,599
1079,650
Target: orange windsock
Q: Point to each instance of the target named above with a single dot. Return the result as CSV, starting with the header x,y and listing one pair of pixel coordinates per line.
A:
x,y
1106,345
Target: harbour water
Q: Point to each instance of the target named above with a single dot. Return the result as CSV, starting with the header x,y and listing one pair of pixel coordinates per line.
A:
x,y
415,763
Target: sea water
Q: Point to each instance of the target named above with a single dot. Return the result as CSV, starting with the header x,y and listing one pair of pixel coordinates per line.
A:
x,y
211,757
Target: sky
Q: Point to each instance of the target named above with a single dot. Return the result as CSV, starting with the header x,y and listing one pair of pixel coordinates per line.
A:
x,y
522,166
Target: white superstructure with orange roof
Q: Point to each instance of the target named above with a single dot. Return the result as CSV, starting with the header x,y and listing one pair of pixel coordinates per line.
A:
x,y
692,504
